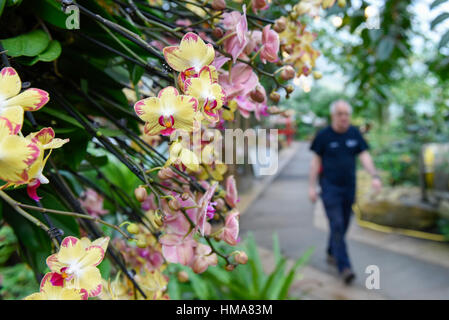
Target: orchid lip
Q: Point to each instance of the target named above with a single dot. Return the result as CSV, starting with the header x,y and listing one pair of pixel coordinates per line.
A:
x,y
167,121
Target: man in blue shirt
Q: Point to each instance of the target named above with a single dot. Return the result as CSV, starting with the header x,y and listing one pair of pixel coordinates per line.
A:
x,y
333,164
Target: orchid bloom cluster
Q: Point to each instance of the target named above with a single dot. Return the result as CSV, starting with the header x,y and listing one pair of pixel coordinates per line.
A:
x,y
23,157
73,271
183,220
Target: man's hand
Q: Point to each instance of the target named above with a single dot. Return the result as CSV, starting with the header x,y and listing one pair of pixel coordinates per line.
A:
x,y
313,195
376,184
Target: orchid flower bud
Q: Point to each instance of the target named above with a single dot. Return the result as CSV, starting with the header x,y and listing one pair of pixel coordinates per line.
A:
x,y
165,173
133,228
288,73
140,193
230,267
241,257
217,33
275,96
289,88
183,276
258,95
280,25
174,204
219,5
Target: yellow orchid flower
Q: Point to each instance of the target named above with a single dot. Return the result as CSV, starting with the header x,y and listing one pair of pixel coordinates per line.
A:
x,y
12,102
190,56
180,155
119,289
167,112
75,266
153,284
18,154
208,92
45,140
50,292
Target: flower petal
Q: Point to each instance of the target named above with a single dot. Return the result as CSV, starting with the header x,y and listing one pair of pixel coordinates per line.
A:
x,y
15,116
92,257
16,154
30,100
90,280
10,83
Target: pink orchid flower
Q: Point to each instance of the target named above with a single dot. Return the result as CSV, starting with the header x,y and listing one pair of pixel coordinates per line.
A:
x,y
241,82
254,42
230,233
204,257
270,42
231,191
93,203
237,39
204,203
177,248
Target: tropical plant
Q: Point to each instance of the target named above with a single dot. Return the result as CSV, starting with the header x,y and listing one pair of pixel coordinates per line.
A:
x,y
248,282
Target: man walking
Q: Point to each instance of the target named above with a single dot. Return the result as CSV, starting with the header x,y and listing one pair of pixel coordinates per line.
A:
x,y
334,163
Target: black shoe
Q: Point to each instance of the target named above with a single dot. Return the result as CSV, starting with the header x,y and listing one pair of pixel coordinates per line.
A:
x,y
330,259
348,276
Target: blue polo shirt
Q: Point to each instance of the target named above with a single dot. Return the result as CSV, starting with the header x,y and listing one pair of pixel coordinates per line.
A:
x,y
338,153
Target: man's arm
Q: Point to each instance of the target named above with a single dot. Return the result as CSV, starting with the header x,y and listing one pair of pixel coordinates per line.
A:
x,y
368,164
315,166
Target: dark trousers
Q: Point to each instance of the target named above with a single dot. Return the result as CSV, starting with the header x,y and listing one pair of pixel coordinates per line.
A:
x,y
338,205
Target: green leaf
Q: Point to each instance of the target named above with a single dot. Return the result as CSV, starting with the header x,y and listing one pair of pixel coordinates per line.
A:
x,y
255,263
199,285
436,3
52,52
291,275
50,11
276,248
30,44
444,40
136,74
276,274
74,151
440,18
105,268
2,6
61,115
173,289
385,48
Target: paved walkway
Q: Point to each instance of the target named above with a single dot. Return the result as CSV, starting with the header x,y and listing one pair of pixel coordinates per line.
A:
x,y
409,268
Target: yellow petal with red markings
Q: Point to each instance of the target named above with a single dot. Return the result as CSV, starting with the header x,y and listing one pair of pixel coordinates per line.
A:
x,y
71,252
10,83
30,100
93,255
90,280
192,52
14,115
102,242
185,112
17,154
